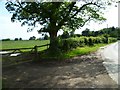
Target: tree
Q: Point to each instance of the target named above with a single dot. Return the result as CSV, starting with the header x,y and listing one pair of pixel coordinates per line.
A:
x,y
65,35
72,33
20,39
86,32
46,37
8,39
54,15
16,39
32,38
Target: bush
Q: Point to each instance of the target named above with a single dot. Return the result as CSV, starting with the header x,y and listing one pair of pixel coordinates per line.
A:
x,y
20,39
90,42
32,38
6,39
85,41
72,43
16,39
46,37
110,40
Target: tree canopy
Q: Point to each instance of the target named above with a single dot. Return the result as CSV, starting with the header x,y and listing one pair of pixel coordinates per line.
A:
x,y
54,16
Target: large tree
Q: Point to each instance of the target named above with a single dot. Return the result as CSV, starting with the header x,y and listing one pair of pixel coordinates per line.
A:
x,y
53,16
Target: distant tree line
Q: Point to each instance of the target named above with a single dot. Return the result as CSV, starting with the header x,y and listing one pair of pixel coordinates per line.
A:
x,y
16,39
45,37
110,32
8,39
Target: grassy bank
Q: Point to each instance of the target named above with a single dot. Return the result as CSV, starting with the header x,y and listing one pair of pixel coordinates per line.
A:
x,y
83,50
75,52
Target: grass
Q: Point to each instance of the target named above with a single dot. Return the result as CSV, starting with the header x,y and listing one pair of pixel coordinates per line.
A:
x,y
45,55
78,51
23,44
83,50
61,55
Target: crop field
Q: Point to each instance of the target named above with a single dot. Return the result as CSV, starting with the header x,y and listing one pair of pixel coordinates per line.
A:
x,y
23,44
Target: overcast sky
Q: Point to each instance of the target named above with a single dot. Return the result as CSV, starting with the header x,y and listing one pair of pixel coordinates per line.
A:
x,y
14,30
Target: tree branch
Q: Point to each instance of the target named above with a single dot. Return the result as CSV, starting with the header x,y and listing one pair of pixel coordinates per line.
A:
x,y
83,7
85,22
65,17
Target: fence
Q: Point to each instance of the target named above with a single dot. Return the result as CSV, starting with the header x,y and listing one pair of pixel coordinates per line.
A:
x,y
35,49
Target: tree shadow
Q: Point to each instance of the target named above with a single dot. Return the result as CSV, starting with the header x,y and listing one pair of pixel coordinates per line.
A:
x,y
78,72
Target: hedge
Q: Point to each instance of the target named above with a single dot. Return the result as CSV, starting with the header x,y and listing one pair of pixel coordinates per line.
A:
x,y
71,43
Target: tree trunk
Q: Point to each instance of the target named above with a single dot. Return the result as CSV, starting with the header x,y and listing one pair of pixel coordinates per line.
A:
x,y
53,37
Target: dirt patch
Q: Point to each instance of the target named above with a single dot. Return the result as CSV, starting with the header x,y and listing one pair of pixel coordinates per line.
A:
x,y
85,71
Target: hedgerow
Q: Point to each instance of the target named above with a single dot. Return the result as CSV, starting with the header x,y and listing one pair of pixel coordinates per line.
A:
x,y
71,43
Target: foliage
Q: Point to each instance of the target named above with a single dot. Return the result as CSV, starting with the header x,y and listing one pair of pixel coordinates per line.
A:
x,y
72,43
6,39
20,38
86,32
32,38
16,39
72,53
53,16
111,31
32,13
46,37
90,42
82,50
65,35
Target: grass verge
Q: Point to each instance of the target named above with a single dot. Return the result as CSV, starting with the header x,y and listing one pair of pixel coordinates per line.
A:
x,y
83,50
75,52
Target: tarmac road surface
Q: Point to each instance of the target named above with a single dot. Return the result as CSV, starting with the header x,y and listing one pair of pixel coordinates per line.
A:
x,y
111,57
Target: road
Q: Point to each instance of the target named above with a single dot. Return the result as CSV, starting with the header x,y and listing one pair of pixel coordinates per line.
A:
x,y
111,60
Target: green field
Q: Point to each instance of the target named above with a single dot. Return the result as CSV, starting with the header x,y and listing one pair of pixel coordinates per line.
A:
x,y
23,44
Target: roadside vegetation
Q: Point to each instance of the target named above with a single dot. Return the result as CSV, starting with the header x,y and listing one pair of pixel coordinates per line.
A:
x,y
70,54
71,47
66,49
68,44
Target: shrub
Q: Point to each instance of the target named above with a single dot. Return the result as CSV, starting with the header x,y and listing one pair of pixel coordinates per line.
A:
x,y
90,42
16,39
46,37
66,45
71,43
110,40
85,41
6,39
20,39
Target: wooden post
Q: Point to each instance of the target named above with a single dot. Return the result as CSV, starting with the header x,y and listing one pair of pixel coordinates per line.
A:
x,y
36,53
47,46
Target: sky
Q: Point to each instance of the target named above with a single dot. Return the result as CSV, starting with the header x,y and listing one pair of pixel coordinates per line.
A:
x,y
14,30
